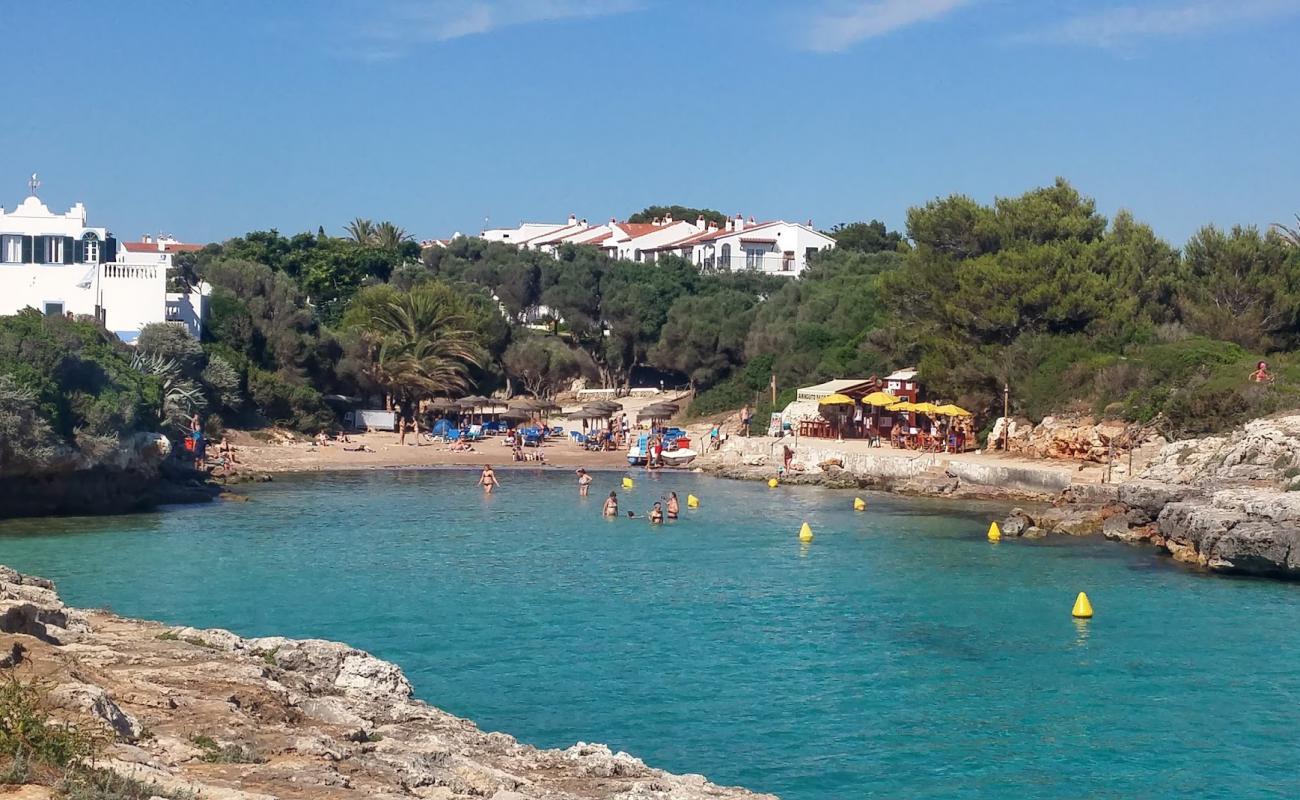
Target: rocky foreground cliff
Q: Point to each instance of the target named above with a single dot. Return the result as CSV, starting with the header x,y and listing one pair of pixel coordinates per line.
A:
x,y
205,713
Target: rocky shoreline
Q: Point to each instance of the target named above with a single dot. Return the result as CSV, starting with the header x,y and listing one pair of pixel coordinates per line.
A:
x,y
1228,504
221,717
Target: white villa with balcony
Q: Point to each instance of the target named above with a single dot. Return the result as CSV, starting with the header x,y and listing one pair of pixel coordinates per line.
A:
x,y
59,265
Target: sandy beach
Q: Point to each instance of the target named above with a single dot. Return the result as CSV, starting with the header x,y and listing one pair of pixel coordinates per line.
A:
x,y
384,452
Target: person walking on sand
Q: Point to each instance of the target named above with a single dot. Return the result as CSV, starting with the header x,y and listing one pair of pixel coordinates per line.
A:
x,y
401,430
674,507
584,482
488,479
611,505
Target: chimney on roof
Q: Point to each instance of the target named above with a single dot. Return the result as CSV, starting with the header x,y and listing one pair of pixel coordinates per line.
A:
x,y
810,222
731,224
583,222
740,223
699,223
656,221
613,220
147,239
573,219
751,220
668,218
713,226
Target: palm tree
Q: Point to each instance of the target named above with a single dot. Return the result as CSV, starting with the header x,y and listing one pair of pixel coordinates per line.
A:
x,y
390,237
361,230
1289,235
423,344
180,396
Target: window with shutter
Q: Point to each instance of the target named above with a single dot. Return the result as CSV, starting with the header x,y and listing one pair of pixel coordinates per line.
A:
x,y
110,250
28,254
38,249
79,252
67,249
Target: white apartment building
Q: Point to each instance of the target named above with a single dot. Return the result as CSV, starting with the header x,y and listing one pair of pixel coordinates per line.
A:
x,y
59,265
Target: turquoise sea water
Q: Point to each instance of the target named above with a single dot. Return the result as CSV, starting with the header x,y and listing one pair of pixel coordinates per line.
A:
x,y
899,656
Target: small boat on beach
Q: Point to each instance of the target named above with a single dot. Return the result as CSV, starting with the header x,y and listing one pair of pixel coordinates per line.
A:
x,y
679,457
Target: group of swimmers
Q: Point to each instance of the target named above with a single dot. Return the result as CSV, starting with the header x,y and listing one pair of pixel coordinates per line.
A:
x,y
670,508
657,513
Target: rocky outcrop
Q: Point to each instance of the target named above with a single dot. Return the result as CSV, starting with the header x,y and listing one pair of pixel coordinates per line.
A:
x,y
219,716
1226,503
1077,438
134,476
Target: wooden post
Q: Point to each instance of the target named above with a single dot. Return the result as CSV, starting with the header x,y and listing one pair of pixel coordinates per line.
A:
x,y
1006,416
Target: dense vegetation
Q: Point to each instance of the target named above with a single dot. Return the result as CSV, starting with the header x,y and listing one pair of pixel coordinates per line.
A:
x,y
1039,294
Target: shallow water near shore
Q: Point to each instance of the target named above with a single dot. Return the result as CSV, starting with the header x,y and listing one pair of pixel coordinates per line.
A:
x,y
899,655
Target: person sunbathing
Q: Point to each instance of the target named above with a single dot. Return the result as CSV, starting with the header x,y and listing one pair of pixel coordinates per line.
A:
x,y
227,451
342,438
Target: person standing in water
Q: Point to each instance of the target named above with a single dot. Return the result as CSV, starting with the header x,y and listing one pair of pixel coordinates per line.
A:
x,y
584,482
611,505
488,479
657,514
673,506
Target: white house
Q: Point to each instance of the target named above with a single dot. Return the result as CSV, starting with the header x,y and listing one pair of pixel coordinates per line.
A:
x,y
58,264
525,231
775,248
640,241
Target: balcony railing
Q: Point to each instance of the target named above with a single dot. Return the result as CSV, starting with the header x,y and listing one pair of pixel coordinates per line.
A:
x,y
130,271
769,263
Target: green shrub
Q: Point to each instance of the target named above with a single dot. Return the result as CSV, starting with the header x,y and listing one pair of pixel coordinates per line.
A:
x,y
288,403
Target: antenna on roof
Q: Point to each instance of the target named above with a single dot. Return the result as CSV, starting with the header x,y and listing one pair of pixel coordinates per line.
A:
x,y
33,183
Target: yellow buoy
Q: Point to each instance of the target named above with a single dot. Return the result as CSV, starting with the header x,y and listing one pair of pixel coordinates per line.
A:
x,y
771,483
692,501
1082,608
859,504
995,533
805,533
627,483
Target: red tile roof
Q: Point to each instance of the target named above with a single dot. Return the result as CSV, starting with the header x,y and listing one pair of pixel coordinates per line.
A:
x,y
152,247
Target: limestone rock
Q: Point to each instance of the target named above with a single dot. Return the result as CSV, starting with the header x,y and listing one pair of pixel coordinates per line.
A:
x,y
1016,523
95,702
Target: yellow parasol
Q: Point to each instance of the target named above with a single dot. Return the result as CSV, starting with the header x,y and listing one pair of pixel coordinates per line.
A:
x,y
835,400
880,399
928,409
906,405
951,410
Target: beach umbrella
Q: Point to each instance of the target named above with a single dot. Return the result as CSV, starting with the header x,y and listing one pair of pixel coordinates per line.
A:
x,y
929,409
515,415
951,410
657,411
903,406
603,408
526,404
880,399
835,400
440,404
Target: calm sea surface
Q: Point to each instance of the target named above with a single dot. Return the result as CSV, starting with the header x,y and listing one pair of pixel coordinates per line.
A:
x,y
899,656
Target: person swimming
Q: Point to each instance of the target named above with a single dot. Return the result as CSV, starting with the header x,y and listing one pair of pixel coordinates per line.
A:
x,y
611,505
488,479
657,514
674,507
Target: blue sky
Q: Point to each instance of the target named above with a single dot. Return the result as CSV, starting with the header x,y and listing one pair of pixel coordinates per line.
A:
x,y
206,120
